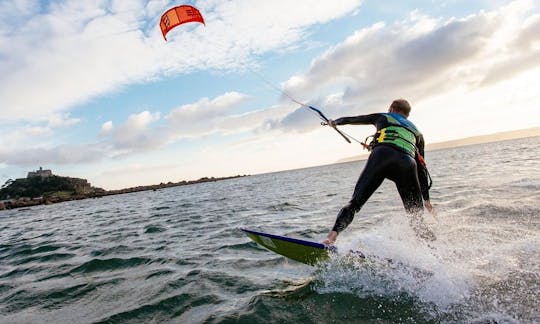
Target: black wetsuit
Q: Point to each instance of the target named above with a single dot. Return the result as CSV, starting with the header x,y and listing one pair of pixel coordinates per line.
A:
x,y
387,161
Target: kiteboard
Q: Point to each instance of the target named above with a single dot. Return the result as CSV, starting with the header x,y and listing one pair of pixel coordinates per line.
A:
x,y
313,253
300,250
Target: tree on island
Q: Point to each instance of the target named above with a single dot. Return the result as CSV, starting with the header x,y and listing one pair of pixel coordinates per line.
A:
x,y
7,184
42,187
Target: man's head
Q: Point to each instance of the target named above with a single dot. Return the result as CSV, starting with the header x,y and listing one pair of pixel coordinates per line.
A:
x,y
400,106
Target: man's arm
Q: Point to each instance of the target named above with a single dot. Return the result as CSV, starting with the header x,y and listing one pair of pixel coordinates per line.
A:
x,y
370,119
422,171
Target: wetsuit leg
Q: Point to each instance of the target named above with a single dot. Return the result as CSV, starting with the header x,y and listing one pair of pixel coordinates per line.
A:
x,y
406,178
388,162
371,178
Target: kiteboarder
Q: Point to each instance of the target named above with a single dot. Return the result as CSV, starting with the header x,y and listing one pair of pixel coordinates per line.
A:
x,y
397,151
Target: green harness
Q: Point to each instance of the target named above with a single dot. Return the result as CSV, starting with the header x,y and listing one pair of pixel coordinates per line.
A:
x,y
398,135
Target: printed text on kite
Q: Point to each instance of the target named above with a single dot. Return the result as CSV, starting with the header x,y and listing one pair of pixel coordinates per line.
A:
x,y
177,16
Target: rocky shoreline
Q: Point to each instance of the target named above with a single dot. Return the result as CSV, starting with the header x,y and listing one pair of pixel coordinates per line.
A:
x,y
29,202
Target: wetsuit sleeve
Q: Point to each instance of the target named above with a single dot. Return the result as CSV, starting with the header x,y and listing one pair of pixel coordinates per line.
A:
x,y
370,119
343,219
422,171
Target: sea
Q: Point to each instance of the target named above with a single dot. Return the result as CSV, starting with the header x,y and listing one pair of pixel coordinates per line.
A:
x,y
177,255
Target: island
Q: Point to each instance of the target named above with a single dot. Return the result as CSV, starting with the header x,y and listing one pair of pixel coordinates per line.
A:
x,y
42,187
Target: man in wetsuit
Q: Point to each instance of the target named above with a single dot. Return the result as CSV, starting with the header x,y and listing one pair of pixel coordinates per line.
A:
x,y
397,154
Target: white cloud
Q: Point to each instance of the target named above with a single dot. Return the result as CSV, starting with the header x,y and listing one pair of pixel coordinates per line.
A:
x,y
63,154
418,58
62,121
106,128
206,109
143,132
135,134
28,134
421,57
59,55
140,121
204,116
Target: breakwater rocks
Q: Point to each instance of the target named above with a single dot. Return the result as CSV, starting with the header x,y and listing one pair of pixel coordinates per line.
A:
x,y
53,199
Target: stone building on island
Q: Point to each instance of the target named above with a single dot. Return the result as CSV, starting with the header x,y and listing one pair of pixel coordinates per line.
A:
x,y
39,173
77,184
44,187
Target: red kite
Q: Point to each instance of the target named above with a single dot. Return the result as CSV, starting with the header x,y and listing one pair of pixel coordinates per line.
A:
x,y
178,16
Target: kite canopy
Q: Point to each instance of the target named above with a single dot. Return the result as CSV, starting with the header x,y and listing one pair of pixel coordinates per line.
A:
x,y
177,16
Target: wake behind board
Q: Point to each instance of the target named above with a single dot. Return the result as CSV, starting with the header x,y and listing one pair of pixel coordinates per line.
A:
x,y
304,251
311,253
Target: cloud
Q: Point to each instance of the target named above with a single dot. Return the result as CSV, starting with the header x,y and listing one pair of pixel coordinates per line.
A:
x,y
205,109
135,134
61,121
106,128
64,154
518,55
27,134
146,131
421,57
205,116
130,169
57,55
530,33
416,58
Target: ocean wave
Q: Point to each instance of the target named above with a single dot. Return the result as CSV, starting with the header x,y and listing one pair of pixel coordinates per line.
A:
x,y
284,206
304,304
19,272
152,229
164,309
15,251
502,212
51,257
526,183
159,273
99,265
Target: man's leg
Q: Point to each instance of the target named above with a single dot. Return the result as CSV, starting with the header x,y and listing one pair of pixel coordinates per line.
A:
x,y
408,187
371,178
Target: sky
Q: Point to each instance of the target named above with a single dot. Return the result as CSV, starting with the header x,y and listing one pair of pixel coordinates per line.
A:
x,y
90,89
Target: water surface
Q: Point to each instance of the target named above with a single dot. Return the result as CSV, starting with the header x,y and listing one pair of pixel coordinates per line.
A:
x,y
176,254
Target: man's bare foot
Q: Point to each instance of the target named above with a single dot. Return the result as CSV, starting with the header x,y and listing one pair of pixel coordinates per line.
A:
x,y
331,238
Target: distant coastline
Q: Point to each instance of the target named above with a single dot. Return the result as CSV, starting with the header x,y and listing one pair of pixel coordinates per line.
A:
x,y
480,139
25,202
